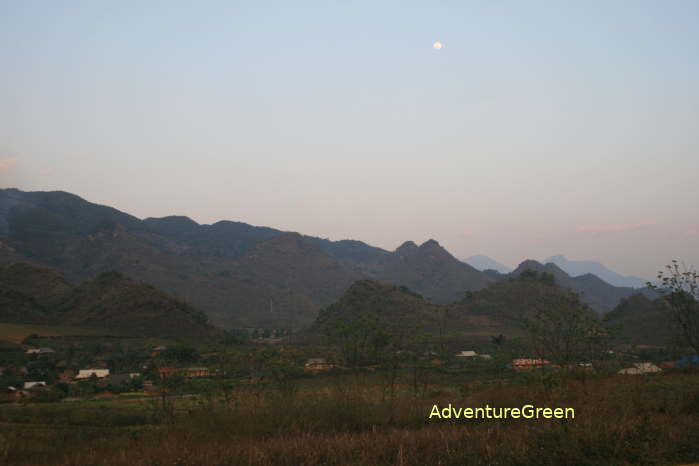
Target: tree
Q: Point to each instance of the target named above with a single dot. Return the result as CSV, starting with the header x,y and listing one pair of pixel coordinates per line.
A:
x,y
680,289
361,340
180,354
567,333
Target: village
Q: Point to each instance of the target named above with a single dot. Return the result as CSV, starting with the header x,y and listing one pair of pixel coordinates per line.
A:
x,y
45,374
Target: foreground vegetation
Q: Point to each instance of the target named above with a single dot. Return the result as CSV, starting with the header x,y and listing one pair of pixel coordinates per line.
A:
x,y
349,419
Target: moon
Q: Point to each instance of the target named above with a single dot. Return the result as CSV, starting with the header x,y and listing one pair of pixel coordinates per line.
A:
x,y
437,45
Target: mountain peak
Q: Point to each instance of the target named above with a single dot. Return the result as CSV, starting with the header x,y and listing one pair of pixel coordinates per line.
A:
x,y
530,264
408,246
430,243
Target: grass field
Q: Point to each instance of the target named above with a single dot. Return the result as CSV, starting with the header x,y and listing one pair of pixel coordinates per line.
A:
x,y
346,420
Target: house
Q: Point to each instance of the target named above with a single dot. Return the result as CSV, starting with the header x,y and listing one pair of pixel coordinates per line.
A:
x,y
466,354
167,371
40,351
196,372
87,373
184,371
28,385
318,364
485,356
641,368
526,364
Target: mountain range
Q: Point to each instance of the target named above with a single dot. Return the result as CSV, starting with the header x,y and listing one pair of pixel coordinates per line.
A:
x,y
573,268
576,268
238,274
501,308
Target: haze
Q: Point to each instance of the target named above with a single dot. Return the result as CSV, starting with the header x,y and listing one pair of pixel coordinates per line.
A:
x,y
538,129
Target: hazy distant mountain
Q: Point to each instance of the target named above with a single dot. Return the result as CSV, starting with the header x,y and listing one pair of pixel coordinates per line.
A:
x,y
575,268
594,291
240,275
482,263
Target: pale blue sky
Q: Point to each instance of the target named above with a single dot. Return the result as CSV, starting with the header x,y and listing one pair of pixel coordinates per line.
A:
x,y
541,127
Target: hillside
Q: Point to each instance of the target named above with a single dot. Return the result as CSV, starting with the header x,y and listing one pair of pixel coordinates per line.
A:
x,y
116,302
29,293
37,295
393,306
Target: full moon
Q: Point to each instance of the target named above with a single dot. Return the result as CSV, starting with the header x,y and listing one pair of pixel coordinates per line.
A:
x,y
437,45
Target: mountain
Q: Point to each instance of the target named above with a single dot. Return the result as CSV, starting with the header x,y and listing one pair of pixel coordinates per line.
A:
x,y
599,294
240,275
509,302
483,263
432,271
576,268
641,321
39,295
500,308
396,307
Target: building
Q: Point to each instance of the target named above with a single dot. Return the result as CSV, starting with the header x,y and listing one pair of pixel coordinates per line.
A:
x,y
28,385
40,351
167,371
196,372
467,354
319,364
87,373
184,371
526,364
691,360
641,368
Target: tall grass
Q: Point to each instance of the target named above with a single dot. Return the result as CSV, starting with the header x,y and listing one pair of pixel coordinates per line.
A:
x,y
618,420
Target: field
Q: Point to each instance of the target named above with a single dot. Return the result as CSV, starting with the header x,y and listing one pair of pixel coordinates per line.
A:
x,y
358,419
16,333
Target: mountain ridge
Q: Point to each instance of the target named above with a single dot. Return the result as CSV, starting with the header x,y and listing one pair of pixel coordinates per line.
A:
x,y
581,267
236,272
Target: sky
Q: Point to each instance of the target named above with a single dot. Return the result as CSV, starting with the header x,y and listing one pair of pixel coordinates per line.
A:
x,y
539,128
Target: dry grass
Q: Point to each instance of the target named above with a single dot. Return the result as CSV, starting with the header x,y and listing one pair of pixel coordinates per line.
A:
x,y
619,420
